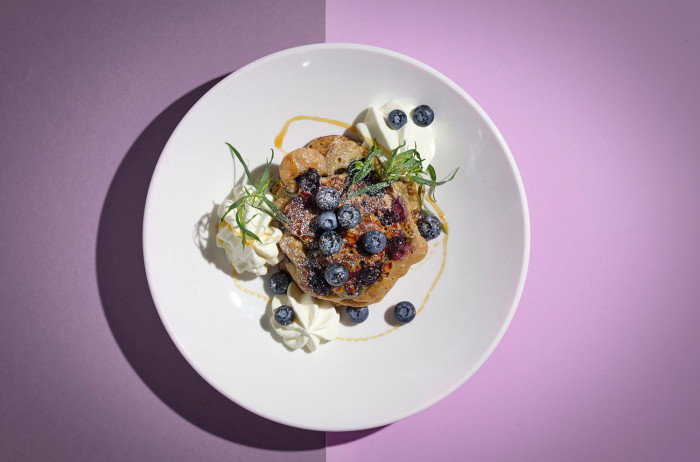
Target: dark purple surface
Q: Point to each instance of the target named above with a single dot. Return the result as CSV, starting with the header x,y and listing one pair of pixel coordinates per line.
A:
x,y
89,94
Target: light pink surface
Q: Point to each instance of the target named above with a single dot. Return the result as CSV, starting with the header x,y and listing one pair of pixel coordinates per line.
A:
x,y
599,104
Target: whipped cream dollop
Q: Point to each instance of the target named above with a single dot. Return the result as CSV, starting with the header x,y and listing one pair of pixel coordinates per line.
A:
x,y
410,135
315,321
254,256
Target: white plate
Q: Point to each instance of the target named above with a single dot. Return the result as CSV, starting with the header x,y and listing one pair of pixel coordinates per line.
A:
x,y
345,385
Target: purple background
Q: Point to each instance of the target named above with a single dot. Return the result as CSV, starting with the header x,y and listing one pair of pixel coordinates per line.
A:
x,y
89,94
599,104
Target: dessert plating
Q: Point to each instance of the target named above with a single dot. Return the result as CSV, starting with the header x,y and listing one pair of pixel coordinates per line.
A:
x,y
345,220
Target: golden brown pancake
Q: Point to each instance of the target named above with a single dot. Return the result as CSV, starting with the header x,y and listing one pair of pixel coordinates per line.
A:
x,y
393,211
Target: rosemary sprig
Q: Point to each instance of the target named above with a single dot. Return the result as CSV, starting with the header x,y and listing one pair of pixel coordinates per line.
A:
x,y
254,197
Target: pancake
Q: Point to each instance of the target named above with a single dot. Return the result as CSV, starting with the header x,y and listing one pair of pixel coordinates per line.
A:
x,y
393,210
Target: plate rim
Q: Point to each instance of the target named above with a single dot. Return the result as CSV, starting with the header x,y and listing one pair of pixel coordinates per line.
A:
x,y
500,140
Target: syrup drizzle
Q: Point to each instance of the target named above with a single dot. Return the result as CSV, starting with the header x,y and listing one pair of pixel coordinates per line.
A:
x,y
246,290
280,136
279,139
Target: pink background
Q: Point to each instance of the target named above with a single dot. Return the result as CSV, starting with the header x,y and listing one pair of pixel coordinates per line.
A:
x,y
599,104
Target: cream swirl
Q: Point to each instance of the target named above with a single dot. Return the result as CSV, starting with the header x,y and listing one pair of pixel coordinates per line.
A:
x,y
254,256
315,321
410,135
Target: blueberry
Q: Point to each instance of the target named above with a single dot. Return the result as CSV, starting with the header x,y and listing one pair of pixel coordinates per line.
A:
x,y
423,115
348,216
404,312
327,221
327,198
429,227
309,180
369,275
354,166
279,282
330,242
318,283
357,314
284,315
373,241
336,274
397,119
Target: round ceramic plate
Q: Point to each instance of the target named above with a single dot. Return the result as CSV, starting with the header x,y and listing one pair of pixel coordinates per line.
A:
x,y
377,372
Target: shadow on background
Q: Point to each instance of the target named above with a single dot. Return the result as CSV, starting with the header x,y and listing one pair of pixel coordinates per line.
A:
x,y
132,315
338,438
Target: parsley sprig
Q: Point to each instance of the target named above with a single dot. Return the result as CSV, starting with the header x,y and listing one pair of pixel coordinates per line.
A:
x,y
407,164
254,197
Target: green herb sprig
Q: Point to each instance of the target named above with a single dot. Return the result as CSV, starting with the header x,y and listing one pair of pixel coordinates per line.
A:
x,y
407,163
366,166
254,196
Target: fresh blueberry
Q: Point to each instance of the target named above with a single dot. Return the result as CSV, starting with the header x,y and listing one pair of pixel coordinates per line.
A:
x,y
336,274
318,283
373,241
309,180
429,227
348,216
369,275
330,242
397,119
327,221
354,166
279,282
284,315
423,115
404,312
327,198
357,314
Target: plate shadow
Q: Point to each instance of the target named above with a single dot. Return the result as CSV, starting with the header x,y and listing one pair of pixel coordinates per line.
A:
x,y
338,438
131,313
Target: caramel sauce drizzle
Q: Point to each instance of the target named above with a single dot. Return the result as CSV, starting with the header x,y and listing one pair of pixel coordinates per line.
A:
x,y
246,290
280,136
